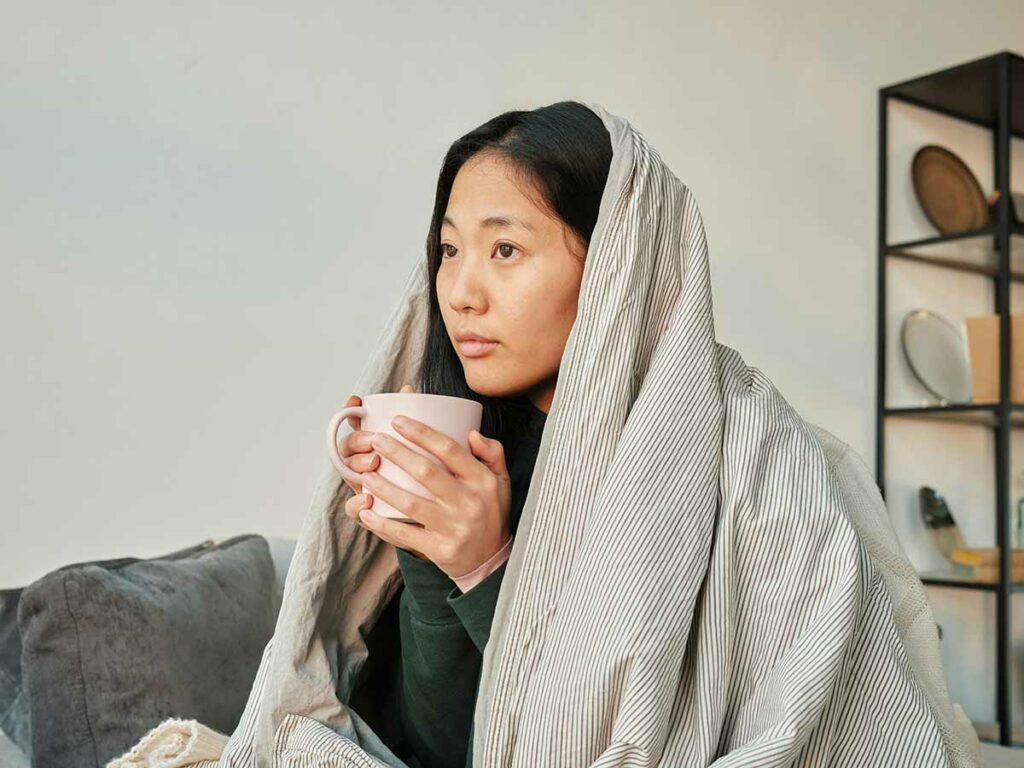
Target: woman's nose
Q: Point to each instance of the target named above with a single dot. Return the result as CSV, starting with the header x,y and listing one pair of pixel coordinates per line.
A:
x,y
468,287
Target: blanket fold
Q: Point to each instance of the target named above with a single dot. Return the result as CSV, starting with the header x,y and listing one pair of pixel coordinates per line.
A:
x,y
174,743
700,577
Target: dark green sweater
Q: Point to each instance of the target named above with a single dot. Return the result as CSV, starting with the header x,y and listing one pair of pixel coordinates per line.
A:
x,y
424,710
443,633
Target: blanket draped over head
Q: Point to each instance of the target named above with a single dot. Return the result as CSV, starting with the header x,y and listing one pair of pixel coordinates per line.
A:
x,y
699,576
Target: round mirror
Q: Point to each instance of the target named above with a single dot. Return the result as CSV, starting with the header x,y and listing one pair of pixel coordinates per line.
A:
x,y
935,350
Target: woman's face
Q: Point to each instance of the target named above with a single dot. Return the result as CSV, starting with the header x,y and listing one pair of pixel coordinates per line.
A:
x,y
510,271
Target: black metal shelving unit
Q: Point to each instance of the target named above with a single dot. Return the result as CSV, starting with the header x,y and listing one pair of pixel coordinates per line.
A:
x,y
988,92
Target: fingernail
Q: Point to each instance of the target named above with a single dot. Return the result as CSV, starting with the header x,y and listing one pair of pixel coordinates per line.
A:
x,y
367,516
400,421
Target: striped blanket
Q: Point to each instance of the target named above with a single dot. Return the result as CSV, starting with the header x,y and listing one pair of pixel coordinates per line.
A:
x,y
700,576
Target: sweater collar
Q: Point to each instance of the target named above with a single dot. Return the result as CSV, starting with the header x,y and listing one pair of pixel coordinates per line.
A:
x,y
535,421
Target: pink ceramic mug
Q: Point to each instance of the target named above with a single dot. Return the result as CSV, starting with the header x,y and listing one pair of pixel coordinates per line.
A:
x,y
454,416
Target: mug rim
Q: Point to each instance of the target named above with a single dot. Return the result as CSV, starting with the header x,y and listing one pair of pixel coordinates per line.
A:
x,y
428,394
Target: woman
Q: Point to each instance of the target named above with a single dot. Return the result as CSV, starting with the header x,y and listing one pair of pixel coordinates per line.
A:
x,y
516,204
698,581
699,576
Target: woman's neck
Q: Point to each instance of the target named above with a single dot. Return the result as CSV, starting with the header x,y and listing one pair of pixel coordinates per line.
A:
x,y
540,396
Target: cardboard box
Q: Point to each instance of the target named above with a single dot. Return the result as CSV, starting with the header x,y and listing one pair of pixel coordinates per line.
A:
x,y
983,357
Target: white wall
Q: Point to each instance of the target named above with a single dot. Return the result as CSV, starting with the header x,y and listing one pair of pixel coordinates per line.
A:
x,y
207,212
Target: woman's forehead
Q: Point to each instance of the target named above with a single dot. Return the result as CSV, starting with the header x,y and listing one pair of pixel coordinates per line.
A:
x,y
488,194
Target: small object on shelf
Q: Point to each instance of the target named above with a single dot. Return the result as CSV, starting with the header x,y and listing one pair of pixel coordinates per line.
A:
x,y
986,556
988,574
949,193
983,354
938,520
982,564
935,351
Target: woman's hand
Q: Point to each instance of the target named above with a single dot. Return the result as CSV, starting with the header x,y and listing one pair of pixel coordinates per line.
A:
x,y
356,504
467,522
355,448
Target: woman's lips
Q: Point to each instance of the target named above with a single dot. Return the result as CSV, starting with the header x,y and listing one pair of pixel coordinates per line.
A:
x,y
476,348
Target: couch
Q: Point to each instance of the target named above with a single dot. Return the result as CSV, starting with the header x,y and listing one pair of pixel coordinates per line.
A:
x,y
278,553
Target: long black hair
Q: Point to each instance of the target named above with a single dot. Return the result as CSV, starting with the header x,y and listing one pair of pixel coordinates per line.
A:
x,y
562,150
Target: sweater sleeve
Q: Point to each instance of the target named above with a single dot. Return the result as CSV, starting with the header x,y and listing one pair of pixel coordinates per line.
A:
x,y
475,608
469,580
428,586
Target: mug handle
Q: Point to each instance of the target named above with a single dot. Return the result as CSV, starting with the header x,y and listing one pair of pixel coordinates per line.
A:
x,y
332,442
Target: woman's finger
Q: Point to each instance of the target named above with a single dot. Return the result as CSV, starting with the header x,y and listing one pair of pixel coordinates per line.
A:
x,y
354,421
438,480
411,537
421,510
490,451
356,442
451,453
358,454
356,503
365,462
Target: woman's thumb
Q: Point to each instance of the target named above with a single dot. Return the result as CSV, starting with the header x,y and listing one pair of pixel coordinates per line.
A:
x,y
407,388
490,452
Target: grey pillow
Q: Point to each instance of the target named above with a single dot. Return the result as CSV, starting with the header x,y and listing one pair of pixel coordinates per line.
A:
x,y
15,721
110,649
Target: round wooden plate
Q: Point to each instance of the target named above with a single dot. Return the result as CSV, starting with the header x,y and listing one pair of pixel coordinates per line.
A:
x,y
948,192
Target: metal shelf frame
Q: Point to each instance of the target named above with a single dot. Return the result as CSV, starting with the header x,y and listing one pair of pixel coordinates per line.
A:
x,y
987,92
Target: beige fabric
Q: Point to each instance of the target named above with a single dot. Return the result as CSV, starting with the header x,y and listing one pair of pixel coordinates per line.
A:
x,y
911,610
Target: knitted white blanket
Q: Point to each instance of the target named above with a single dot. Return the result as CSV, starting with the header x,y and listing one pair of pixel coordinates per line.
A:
x,y
700,576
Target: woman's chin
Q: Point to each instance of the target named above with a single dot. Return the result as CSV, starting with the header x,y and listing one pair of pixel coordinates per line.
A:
x,y
487,380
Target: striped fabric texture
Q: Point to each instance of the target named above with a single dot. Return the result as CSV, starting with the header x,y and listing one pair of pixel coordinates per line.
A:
x,y
700,577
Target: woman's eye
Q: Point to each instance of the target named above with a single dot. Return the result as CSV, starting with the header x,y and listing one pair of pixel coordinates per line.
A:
x,y
505,250
503,253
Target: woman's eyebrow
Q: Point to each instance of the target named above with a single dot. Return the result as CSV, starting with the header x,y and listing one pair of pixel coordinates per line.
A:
x,y
496,221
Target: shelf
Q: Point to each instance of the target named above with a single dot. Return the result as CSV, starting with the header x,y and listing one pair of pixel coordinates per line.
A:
x,y
967,92
986,92
972,413
955,580
972,251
